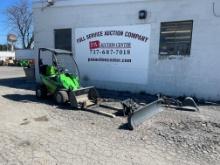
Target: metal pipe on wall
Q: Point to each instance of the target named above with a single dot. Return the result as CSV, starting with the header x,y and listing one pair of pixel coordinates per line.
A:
x,y
213,9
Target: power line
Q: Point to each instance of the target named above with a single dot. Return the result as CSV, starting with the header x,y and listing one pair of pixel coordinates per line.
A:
x,y
41,1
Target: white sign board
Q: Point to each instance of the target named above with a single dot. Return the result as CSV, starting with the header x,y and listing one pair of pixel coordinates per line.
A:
x,y
114,53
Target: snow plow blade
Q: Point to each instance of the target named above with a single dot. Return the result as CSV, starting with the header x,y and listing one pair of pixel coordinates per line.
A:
x,y
144,113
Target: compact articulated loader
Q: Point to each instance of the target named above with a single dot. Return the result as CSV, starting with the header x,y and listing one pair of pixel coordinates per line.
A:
x,y
57,81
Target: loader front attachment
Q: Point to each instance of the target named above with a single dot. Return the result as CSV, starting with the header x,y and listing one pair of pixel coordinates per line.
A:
x,y
83,97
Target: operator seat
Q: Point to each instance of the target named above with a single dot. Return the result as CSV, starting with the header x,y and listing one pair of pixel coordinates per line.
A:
x,y
51,71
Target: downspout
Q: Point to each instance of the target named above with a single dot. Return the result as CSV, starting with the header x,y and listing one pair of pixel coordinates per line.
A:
x,y
214,12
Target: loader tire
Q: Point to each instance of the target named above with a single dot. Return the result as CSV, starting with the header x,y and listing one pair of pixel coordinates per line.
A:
x,y
61,97
73,101
41,91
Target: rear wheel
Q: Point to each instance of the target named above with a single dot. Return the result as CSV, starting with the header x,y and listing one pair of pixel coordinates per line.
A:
x,y
41,91
61,97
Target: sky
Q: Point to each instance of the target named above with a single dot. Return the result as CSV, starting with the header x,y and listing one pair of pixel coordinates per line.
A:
x,y
4,29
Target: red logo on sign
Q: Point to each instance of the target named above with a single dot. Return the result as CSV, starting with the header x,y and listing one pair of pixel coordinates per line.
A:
x,y
94,44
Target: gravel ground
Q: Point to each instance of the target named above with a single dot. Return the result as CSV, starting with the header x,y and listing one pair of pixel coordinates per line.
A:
x,y
39,132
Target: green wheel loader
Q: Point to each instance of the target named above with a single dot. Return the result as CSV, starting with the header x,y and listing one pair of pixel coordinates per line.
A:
x,y
61,79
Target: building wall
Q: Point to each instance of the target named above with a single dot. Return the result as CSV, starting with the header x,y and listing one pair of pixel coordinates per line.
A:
x,y
196,75
24,54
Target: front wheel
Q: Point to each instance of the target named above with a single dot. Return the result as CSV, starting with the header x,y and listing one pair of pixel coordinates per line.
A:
x,y
61,97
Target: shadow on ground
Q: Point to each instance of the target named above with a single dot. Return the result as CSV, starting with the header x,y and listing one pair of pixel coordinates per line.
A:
x,y
29,98
108,95
18,83
124,126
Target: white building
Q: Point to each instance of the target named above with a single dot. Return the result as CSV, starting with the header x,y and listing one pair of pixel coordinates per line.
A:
x,y
157,46
6,54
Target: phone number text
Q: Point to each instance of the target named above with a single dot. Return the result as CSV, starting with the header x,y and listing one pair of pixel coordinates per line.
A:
x,y
110,52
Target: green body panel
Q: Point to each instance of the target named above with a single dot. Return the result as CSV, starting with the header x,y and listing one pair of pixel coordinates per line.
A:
x,y
24,63
51,85
69,81
54,80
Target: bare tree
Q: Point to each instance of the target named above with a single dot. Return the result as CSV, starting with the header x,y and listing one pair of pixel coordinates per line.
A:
x,y
20,20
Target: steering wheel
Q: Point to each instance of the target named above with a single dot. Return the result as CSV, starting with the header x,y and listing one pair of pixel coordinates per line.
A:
x,y
60,69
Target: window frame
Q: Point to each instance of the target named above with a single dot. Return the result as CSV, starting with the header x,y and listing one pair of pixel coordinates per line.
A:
x,y
71,48
190,41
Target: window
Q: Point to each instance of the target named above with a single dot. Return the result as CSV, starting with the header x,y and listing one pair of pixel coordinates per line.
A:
x,y
63,39
175,38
